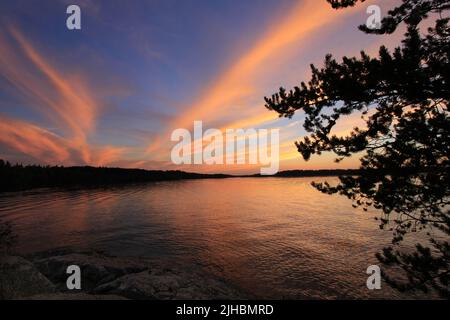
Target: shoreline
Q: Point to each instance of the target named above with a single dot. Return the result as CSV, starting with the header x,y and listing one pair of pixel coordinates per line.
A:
x,y
43,276
23,178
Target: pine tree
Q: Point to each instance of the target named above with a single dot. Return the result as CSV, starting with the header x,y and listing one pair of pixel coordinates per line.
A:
x,y
402,97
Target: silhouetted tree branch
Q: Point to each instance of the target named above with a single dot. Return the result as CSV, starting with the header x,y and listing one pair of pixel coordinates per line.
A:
x,y
402,97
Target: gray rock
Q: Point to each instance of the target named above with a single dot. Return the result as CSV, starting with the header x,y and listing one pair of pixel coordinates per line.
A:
x,y
133,286
95,268
168,284
20,278
107,277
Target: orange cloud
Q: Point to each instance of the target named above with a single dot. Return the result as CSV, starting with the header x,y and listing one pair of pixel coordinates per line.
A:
x,y
76,107
48,147
67,103
107,155
239,81
34,141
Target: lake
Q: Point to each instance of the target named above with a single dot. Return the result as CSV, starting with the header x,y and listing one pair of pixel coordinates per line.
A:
x,y
271,237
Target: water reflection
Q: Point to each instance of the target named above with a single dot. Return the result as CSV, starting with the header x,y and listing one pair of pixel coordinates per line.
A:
x,y
275,238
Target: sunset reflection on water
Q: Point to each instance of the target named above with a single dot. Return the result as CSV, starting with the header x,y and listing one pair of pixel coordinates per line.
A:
x,y
273,237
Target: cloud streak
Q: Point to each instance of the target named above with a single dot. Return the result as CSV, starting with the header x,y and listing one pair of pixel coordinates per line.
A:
x,y
34,141
240,81
65,101
72,119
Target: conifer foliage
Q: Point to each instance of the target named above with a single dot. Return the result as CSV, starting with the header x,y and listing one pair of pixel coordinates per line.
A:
x,y
402,96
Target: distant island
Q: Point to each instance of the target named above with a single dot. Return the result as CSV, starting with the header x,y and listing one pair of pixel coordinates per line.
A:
x,y
311,173
18,177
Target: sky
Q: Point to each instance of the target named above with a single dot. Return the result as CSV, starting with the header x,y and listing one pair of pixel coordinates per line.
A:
x,y
112,93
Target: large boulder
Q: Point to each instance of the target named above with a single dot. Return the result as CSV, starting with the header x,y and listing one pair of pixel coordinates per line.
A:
x,y
96,268
19,278
164,283
108,277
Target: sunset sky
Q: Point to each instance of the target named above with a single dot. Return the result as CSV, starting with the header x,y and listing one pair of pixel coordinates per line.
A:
x,y
111,93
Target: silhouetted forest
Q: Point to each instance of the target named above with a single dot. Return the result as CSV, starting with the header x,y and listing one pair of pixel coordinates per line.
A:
x,y
314,173
19,177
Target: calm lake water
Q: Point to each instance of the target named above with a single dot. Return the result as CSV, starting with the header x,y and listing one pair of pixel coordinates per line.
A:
x,y
272,237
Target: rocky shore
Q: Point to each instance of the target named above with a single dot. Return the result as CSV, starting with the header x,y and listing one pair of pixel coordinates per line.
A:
x,y
43,276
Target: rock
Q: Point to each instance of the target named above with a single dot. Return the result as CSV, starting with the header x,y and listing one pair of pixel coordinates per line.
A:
x,y
132,286
96,268
20,278
168,284
108,277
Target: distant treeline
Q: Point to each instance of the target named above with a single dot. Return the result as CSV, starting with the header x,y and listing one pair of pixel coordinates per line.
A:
x,y
315,173
19,177
22,177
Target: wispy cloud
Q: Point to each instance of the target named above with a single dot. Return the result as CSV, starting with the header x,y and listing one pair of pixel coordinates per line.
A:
x,y
79,107
65,101
34,141
240,80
